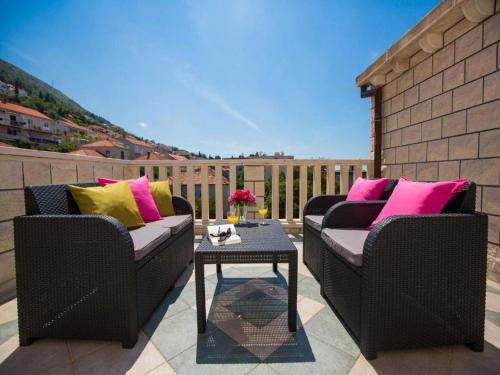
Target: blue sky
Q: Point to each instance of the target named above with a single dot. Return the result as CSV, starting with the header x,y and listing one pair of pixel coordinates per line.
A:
x,y
221,77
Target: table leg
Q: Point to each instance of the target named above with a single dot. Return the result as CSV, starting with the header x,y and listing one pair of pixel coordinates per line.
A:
x,y
292,293
219,268
199,270
275,267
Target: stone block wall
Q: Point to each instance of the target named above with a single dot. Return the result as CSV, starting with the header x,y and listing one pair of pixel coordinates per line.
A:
x,y
26,167
441,118
255,181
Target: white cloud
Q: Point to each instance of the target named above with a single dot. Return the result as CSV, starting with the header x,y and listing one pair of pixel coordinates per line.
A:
x,y
20,54
143,125
189,80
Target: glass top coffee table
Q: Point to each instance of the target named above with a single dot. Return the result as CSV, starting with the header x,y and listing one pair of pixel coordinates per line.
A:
x,y
259,244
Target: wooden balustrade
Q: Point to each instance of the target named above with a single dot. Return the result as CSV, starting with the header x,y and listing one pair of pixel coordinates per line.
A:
x,y
205,183
286,194
194,177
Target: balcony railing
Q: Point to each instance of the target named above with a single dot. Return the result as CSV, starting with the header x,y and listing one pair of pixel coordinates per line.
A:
x,y
284,185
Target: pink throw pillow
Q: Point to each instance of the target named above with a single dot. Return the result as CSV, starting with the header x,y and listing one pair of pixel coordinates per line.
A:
x,y
414,198
367,190
142,196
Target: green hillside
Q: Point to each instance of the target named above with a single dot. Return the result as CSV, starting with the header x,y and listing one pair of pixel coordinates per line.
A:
x,y
44,97
50,101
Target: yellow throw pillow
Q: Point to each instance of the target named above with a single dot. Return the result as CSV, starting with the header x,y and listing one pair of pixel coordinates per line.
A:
x,y
162,197
114,200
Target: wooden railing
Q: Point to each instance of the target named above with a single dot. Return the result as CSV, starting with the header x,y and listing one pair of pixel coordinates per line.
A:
x,y
205,183
258,175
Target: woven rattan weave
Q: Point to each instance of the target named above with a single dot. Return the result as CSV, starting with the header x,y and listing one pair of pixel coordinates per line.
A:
x,y
259,244
76,274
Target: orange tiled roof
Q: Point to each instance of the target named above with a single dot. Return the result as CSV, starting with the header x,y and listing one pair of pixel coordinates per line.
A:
x,y
151,156
88,152
177,157
71,124
23,110
104,143
197,178
103,131
138,142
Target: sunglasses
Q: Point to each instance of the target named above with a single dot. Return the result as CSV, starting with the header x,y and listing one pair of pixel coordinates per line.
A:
x,y
222,236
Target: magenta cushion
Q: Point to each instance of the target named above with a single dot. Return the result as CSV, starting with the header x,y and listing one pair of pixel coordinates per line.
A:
x,y
367,190
414,198
142,196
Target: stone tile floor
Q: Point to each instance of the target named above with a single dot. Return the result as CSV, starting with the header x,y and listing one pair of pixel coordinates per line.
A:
x,y
169,343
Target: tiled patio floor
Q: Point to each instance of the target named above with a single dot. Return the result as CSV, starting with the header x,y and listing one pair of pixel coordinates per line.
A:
x,y
169,343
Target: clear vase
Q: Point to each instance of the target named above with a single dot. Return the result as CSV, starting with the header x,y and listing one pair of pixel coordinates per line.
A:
x,y
241,212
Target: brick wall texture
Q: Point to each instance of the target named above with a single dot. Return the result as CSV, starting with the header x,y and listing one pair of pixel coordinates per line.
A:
x,y
441,118
18,172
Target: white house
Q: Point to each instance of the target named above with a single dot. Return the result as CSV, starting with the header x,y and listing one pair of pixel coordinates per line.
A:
x,y
21,123
72,132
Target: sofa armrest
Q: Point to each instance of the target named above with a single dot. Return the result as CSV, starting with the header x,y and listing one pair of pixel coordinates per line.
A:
x,y
320,204
356,214
72,266
428,266
182,206
63,230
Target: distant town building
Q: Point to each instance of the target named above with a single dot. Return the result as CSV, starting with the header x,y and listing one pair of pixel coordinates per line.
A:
x,y
10,90
4,88
136,146
102,133
184,153
151,156
110,148
71,132
280,155
175,157
261,155
163,149
18,123
87,152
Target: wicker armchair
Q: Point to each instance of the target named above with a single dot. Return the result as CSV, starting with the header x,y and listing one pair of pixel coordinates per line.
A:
x,y
314,213
411,281
79,276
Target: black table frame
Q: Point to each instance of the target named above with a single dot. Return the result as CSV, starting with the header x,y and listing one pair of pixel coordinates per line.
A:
x,y
259,244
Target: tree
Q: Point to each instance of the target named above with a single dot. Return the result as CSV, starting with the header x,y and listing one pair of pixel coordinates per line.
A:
x,y
296,190
16,88
24,144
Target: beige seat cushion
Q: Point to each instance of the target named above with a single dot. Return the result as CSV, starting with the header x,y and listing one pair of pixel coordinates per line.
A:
x,y
314,221
348,243
175,223
148,238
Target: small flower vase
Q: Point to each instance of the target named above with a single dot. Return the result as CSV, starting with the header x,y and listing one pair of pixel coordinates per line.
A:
x,y
241,212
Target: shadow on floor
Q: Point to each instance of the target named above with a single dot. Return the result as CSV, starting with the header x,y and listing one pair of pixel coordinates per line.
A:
x,y
88,356
248,323
457,359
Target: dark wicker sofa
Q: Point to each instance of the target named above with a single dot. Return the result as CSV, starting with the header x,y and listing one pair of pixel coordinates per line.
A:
x,y
86,276
411,281
315,211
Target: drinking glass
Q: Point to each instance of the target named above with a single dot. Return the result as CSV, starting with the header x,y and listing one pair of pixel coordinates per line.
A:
x,y
232,218
263,213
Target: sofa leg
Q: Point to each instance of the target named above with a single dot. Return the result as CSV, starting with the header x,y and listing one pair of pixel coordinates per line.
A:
x,y
477,346
129,343
322,291
25,341
370,355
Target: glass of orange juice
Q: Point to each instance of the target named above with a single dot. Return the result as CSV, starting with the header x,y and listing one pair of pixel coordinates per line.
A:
x,y
232,218
263,213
